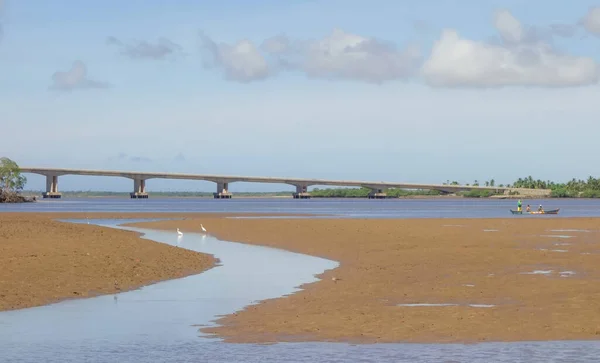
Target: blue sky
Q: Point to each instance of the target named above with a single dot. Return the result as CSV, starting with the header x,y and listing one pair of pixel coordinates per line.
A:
x,y
374,90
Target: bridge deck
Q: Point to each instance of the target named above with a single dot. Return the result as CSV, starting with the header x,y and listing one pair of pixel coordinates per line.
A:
x,y
252,179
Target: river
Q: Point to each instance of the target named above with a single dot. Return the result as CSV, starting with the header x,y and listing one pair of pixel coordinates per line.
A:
x,y
345,208
157,323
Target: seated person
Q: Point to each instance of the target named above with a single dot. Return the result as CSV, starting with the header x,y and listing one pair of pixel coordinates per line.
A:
x,y
540,208
528,208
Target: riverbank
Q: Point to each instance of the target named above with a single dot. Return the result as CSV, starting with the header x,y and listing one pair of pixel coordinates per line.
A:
x,y
509,279
45,261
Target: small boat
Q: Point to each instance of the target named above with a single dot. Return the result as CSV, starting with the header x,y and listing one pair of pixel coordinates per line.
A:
x,y
550,211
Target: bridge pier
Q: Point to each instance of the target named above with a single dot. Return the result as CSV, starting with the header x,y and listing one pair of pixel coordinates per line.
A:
x,y
301,192
222,191
139,189
52,187
377,193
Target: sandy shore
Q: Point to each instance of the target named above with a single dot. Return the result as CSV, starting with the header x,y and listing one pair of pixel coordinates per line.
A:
x,y
44,261
385,263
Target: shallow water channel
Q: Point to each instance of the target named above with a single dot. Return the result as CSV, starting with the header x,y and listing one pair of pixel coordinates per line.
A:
x,y
156,323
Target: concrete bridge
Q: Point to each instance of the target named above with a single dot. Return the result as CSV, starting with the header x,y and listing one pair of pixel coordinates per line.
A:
x,y
378,189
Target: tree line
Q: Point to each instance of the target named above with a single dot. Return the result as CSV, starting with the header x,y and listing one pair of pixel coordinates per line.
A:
x,y
574,188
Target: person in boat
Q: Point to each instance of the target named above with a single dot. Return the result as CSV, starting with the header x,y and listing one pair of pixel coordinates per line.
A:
x,y
528,208
519,205
540,208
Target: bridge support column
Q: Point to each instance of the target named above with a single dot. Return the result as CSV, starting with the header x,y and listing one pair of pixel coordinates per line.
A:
x,y
301,192
139,189
52,187
377,193
222,191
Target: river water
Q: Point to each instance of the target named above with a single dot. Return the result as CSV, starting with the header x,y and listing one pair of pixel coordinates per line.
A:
x,y
156,323
348,208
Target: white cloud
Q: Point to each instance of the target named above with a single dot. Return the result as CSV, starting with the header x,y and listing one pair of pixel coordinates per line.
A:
x,y
520,59
340,55
144,49
276,45
591,21
75,78
344,55
241,62
508,26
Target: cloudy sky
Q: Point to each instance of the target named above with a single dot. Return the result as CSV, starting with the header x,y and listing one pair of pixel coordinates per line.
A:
x,y
344,89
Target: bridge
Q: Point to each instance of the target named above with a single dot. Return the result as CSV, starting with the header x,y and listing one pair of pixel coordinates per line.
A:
x,y
378,189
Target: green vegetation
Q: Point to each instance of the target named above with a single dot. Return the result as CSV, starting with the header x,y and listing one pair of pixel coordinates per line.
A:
x,y
11,182
574,188
364,192
477,194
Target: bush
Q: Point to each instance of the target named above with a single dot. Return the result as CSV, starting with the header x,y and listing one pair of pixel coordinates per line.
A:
x,y
478,193
590,193
11,197
11,182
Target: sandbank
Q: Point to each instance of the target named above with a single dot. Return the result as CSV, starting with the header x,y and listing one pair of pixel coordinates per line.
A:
x,y
513,279
45,261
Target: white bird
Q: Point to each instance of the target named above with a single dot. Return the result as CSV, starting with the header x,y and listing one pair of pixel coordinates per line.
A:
x,y
203,229
179,232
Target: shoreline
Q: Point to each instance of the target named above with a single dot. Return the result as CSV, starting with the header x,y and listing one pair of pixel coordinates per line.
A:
x,y
386,263
46,261
383,263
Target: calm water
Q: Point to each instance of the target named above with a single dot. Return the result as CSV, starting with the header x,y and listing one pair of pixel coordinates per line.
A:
x,y
154,324
357,208
155,319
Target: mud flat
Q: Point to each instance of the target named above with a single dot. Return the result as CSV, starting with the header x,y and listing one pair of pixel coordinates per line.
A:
x,y
423,280
45,261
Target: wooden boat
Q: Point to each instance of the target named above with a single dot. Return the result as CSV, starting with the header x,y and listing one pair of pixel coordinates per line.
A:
x,y
550,211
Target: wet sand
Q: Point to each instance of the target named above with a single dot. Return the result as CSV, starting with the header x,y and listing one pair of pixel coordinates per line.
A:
x,y
385,263
44,261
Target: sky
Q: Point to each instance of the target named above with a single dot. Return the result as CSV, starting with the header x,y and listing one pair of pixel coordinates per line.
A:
x,y
399,91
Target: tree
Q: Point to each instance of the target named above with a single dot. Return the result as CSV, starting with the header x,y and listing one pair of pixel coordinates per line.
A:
x,y
11,180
